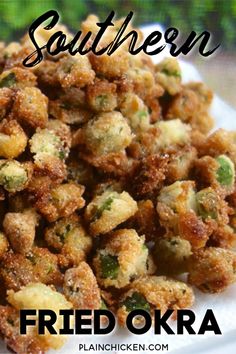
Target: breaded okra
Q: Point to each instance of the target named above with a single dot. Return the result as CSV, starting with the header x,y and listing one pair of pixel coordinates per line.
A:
x,y
108,210
212,269
69,239
154,293
122,257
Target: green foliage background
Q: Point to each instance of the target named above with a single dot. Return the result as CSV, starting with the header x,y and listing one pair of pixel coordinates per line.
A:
x,y
216,16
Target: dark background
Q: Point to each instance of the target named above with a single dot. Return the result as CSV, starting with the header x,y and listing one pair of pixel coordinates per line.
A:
x,y
216,16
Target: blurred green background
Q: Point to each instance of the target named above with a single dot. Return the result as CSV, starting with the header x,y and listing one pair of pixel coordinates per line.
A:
x,y
216,16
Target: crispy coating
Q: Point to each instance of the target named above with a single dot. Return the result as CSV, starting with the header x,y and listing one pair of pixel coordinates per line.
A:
x,y
6,99
107,133
80,287
193,229
218,172
16,271
101,96
17,78
123,257
168,75
108,210
184,105
223,237
36,296
143,82
69,113
15,176
203,92
133,108
69,238
61,201
171,255
217,143
180,164
9,331
172,132
155,292
75,71
20,230
149,176
3,244
13,139
50,147
191,106
47,74
115,163
212,269
177,198
31,107
112,66
45,266
144,221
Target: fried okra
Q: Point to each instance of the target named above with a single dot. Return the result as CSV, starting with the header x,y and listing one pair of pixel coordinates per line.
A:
x,y
61,201
133,108
178,197
168,75
45,266
17,78
9,331
50,147
69,239
15,176
112,66
211,206
46,142
154,293
75,71
13,139
180,164
177,209
107,133
30,107
81,289
37,296
16,271
123,257
225,173
145,221
171,255
149,175
101,96
223,237
219,172
6,99
108,210
172,132
3,244
20,230
212,269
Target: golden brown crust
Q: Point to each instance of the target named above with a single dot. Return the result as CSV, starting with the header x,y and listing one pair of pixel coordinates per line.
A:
x,y
160,293
16,271
30,107
212,269
81,288
20,229
9,330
